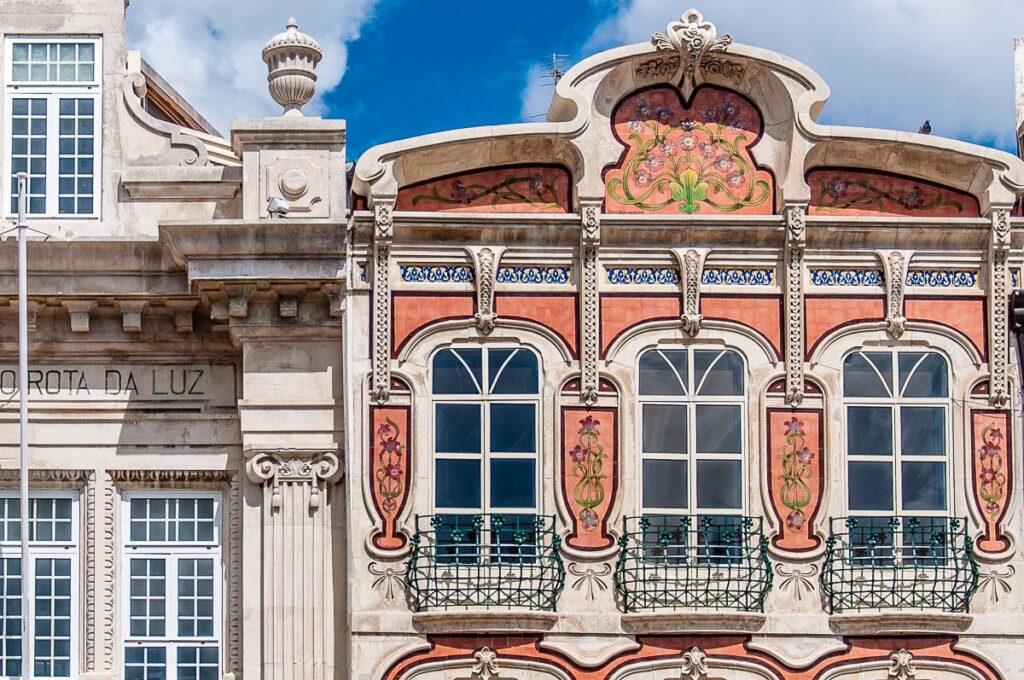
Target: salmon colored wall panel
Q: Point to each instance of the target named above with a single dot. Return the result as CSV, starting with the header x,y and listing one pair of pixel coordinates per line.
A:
x,y
844,191
540,188
796,475
762,313
557,312
389,471
411,312
589,474
966,315
621,312
826,314
992,476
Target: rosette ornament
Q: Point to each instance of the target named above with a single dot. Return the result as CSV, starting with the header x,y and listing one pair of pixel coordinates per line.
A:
x,y
291,59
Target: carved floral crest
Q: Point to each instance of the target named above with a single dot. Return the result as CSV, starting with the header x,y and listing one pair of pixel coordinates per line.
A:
x,y
692,38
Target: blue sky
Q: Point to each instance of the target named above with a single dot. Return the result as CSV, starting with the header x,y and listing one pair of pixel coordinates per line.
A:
x,y
398,68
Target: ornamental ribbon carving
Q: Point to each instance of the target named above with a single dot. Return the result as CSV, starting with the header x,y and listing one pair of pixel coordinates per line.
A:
x,y
485,260
895,263
998,305
691,266
589,474
590,239
285,468
389,472
796,240
992,476
383,232
796,476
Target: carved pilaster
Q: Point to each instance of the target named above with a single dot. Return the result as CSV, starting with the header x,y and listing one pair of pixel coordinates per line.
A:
x,y
90,552
109,563
485,262
691,268
383,233
796,241
233,640
590,241
998,304
895,263
278,470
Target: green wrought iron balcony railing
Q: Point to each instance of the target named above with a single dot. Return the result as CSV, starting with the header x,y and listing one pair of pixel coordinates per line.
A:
x,y
686,562
499,561
899,563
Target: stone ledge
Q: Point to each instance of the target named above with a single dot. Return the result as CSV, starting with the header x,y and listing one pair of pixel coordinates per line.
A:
x,y
483,621
693,621
898,622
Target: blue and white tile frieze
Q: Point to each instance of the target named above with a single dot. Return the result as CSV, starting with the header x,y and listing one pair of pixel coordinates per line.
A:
x,y
846,277
421,273
942,278
722,276
642,276
533,275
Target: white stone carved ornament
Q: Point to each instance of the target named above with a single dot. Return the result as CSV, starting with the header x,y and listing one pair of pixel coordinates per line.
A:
x,y
895,263
590,242
485,664
691,266
692,38
383,216
901,666
486,261
278,469
695,664
999,322
291,59
796,241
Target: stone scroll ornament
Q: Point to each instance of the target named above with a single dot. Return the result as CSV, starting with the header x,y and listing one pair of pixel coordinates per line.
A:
x,y
389,472
992,476
796,476
589,474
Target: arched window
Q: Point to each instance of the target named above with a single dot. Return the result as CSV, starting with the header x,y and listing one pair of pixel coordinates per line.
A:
x,y
897,431
692,432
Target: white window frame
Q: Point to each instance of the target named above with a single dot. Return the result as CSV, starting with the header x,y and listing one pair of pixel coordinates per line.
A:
x,y
171,552
484,398
44,550
53,92
895,404
691,400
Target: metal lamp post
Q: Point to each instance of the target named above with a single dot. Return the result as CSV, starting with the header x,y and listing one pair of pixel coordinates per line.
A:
x,y
26,642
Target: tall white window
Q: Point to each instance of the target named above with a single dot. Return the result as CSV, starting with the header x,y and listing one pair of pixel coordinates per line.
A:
x,y
52,580
173,581
51,124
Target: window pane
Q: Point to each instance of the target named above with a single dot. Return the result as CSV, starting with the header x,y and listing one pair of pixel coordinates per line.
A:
x,y
10,617
451,375
147,589
513,371
718,429
52,618
928,380
197,663
869,430
924,486
665,484
719,484
28,151
663,372
145,663
870,486
457,428
513,483
923,430
718,373
457,483
864,378
664,428
513,428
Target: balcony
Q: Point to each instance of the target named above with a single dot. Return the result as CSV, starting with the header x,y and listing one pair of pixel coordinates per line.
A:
x,y
485,562
711,562
899,563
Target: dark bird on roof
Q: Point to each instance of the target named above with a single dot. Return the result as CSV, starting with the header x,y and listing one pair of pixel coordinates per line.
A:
x,y
926,129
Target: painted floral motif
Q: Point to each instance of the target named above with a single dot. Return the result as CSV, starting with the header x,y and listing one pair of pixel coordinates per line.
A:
x,y
688,159
862,192
796,469
588,460
992,480
524,189
390,473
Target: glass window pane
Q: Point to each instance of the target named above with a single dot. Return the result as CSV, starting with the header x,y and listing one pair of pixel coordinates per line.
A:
x,y
450,375
923,430
457,428
663,372
929,379
664,484
513,428
718,373
924,486
457,483
718,429
871,486
664,428
869,430
513,483
864,378
719,484
513,371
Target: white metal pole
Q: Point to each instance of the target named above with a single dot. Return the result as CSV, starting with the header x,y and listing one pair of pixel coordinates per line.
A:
x,y
26,564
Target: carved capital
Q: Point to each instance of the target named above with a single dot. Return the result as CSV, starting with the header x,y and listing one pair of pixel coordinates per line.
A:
x,y
895,263
485,262
279,468
691,266
796,240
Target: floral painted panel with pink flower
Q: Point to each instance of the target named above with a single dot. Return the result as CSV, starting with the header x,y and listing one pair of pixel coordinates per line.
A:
x,y
796,472
688,159
589,474
389,472
541,188
992,474
841,191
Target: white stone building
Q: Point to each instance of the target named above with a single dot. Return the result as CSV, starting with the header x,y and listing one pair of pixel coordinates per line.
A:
x,y
678,384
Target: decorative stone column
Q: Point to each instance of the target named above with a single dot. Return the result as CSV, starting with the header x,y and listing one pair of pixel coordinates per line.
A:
x,y
998,307
796,241
590,243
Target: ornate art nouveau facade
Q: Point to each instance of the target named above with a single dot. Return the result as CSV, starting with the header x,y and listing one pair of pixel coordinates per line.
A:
x,y
678,384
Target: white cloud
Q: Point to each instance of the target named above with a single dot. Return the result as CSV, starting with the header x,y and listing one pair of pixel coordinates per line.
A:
x,y
209,50
888,63
537,95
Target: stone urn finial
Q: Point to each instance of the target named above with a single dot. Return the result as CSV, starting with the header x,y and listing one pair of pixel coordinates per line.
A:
x,y
291,59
